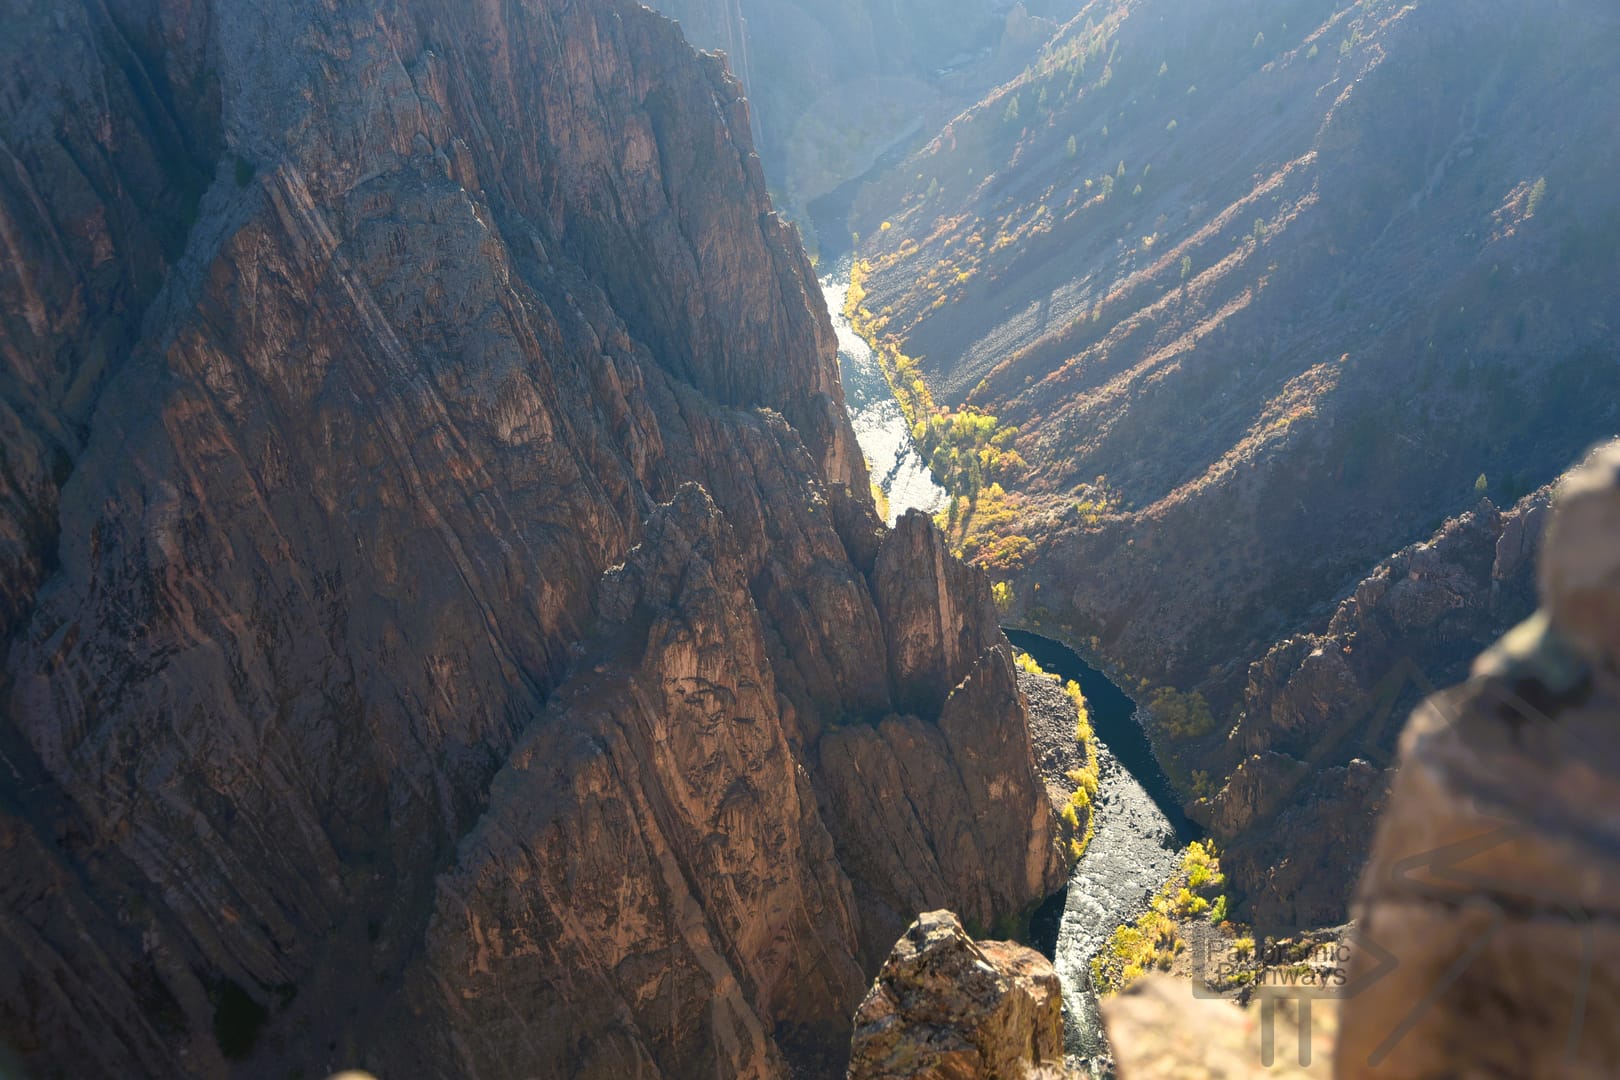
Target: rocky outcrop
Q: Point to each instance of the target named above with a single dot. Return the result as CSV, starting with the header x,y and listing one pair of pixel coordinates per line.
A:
x,y
922,808
945,1007
1308,760
937,612
1492,885
448,616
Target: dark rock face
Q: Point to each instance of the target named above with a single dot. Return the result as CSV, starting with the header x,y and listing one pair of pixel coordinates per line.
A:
x,y
1492,883
945,1007
1308,761
653,824
937,612
438,563
946,789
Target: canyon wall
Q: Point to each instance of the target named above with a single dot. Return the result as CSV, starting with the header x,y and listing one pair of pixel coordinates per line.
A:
x,y
1297,784
1264,291
1488,905
445,624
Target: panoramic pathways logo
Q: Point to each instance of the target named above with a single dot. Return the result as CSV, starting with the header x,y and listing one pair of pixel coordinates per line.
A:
x,y
1320,973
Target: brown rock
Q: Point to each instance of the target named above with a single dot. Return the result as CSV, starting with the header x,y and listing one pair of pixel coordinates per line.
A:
x,y
651,866
962,798
947,1008
1580,565
937,612
1493,881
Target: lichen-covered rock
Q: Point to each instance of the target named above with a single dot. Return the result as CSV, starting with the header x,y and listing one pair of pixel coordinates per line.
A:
x,y
945,1007
1493,882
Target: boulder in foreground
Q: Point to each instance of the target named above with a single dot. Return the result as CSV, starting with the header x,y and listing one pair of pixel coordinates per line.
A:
x,y
945,1007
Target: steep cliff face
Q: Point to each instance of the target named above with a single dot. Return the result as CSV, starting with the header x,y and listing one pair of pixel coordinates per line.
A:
x,y
1264,289
438,564
107,151
652,871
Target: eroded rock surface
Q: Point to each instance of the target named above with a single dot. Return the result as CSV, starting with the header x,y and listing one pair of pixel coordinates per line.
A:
x,y
945,1007
442,599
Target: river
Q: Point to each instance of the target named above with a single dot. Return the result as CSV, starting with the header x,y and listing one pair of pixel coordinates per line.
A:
x,y
1140,831
1139,824
880,428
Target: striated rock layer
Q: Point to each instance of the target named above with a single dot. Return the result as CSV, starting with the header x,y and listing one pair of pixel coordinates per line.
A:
x,y
445,627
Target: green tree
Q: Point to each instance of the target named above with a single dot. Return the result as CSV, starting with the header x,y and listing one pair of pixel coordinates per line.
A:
x,y
1182,716
1537,193
1071,148
1011,115
1481,486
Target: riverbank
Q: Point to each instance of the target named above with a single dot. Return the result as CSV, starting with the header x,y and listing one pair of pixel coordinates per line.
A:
x,y
1114,718
1138,835
1137,826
